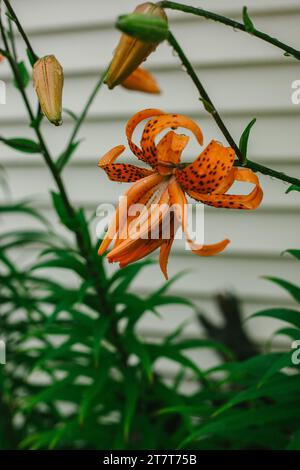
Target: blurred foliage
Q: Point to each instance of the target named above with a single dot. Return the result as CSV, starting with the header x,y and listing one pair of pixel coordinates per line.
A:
x,y
80,376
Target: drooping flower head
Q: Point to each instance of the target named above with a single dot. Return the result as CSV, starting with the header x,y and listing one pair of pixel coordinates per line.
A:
x,y
162,191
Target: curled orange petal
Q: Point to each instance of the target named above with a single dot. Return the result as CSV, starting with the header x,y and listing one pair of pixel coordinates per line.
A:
x,y
208,171
130,128
121,172
233,201
156,125
169,151
178,202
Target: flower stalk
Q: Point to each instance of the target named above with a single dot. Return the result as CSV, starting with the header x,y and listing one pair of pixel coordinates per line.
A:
x,y
290,51
92,266
208,104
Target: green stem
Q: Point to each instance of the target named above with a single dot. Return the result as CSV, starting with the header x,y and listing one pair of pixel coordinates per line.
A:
x,y
207,102
256,167
233,23
12,40
20,28
92,267
80,120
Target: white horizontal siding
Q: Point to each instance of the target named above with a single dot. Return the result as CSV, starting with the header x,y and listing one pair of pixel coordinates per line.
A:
x,y
245,77
58,14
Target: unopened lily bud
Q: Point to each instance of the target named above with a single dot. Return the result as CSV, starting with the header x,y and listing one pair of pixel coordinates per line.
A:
x,y
147,26
48,81
141,80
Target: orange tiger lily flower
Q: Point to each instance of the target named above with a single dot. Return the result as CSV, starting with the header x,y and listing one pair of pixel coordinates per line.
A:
x,y
141,80
162,190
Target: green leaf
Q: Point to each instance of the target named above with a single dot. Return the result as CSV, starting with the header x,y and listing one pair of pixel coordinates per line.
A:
x,y
22,145
294,253
172,352
24,75
147,28
292,289
31,57
278,387
9,16
284,360
295,442
131,390
93,391
101,327
247,21
193,410
36,121
67,262
23,208
123,277
134,346
207,105
243,144
47,394
284,314
242,420
71,114
203,343
66,155
292,333
293,187
62,211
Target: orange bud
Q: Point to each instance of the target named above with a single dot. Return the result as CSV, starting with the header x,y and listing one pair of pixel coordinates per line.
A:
x,y
48,80
141,80
131,52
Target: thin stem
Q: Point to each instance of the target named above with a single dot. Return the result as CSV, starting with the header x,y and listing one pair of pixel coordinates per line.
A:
x,y
233,23
20,28
12,40
81,119
256,167
208,104
92,267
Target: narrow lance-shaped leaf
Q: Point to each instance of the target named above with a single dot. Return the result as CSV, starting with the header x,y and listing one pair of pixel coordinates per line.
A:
x,y
66,155
23,74
249,26
284,314
243,144
295,253
22,144
62,211
291,288
71,113
31,57
293,187
131,388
